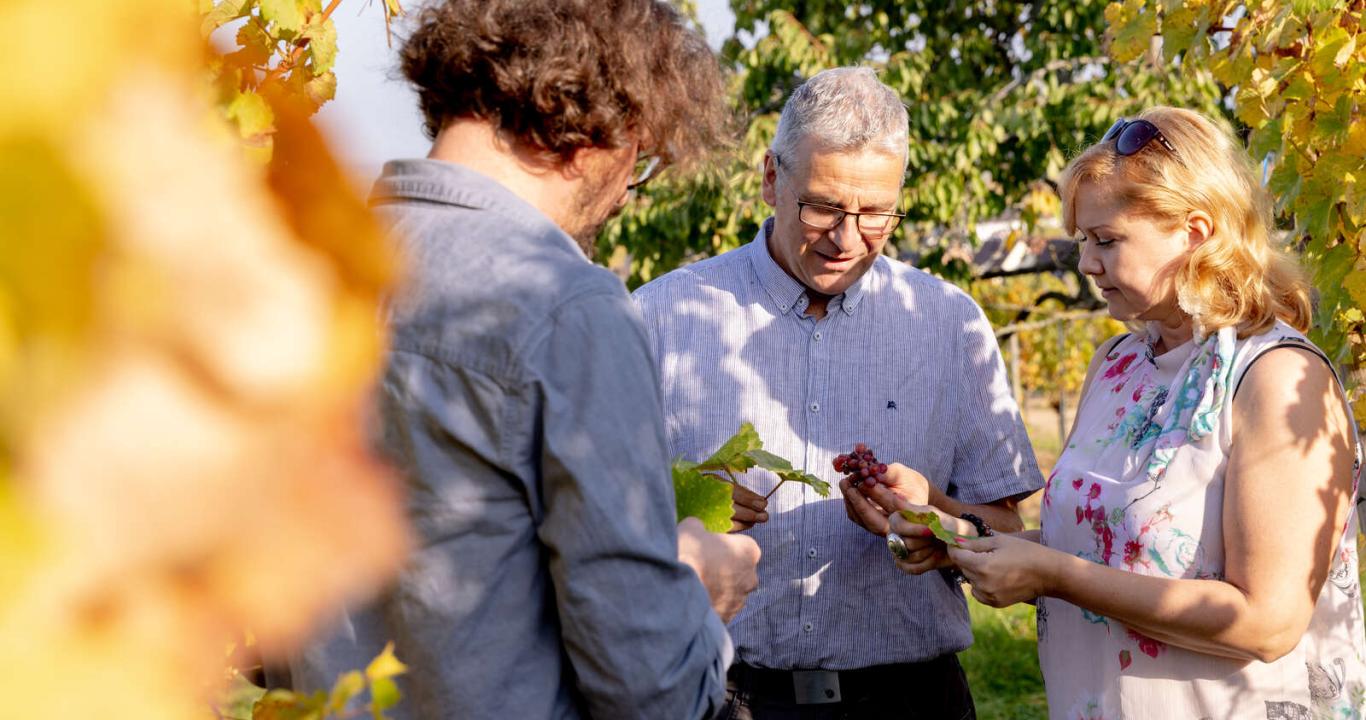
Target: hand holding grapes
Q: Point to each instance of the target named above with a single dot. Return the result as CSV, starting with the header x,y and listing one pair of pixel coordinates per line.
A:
x,y
869,503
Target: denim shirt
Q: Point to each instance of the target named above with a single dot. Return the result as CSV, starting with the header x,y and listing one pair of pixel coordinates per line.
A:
x,y
902,361
520,405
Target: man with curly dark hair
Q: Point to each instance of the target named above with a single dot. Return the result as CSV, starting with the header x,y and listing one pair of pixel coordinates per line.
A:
x,y
519,400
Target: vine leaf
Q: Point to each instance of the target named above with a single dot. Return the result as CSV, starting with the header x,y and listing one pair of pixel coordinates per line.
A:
x,y
931,520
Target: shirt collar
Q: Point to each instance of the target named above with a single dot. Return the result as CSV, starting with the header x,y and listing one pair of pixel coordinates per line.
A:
x,y
448,183
785,290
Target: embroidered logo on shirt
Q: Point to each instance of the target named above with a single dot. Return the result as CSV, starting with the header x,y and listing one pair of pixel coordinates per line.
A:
x,y
891,404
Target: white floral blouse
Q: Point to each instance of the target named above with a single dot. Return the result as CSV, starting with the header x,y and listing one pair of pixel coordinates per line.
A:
x,y
1140,487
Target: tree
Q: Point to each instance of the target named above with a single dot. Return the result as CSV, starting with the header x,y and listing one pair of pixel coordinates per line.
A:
x,y
1297,73
999,95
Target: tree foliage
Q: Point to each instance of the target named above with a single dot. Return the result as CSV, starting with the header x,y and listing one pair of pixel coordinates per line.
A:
x,y
186,338
285,53
1297,72
999,95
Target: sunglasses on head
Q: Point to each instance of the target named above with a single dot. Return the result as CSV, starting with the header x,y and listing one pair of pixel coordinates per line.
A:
x,y
1130,136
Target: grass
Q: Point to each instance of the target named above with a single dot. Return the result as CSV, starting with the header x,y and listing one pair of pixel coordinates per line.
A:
x,y
1003,663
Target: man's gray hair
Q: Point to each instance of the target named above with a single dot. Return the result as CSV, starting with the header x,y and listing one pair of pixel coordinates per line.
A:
x,y
841,110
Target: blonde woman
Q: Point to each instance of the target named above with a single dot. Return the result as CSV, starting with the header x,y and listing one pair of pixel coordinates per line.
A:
x,y
1197,555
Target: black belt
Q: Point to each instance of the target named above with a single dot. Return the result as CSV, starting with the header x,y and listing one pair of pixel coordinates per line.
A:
x,y
808,687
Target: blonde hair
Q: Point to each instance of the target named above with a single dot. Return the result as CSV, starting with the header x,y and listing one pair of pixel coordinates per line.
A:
x,y
1236,278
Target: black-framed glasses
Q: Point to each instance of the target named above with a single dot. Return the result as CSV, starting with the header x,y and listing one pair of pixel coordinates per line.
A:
x,y
1130,136
828,217
646,167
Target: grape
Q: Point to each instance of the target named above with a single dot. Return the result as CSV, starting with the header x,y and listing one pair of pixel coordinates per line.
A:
x,y
861,466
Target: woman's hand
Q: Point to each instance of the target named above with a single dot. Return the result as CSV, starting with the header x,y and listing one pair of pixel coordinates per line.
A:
x,y
925,552
1005,569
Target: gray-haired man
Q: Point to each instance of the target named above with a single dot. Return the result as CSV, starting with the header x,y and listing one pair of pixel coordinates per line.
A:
x,y
821,342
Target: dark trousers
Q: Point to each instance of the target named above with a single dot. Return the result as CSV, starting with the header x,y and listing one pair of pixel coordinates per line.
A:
x,y
932,690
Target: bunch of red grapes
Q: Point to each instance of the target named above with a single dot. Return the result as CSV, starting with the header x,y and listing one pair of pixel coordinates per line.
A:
x,y
861,466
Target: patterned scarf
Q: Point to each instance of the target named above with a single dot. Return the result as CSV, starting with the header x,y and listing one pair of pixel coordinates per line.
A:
x,y
1198,404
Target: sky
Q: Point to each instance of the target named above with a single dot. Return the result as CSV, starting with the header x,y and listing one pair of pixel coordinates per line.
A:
x,y
374,117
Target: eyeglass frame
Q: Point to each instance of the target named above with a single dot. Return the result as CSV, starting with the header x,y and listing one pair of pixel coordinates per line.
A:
x,y
652,163
1117,130
803,205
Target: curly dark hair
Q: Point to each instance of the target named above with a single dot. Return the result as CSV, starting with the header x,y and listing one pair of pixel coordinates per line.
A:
x,y
560,75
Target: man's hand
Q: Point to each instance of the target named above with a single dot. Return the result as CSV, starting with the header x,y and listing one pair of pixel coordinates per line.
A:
x,y
748,507
868,505
726,565
925,552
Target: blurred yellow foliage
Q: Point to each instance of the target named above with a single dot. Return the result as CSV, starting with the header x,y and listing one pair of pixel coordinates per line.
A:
x,y
187,338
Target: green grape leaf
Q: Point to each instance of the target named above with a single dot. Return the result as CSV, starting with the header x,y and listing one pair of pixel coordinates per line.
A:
x,y
1131,29
322,43
1355,285
286,15
235,702
1233,64
1180,26
731,455
257,45
1333,46
222,13
1265,139
322,88
287,705
385,665
930,520
700,495
348,686
384,694
786,473
252,114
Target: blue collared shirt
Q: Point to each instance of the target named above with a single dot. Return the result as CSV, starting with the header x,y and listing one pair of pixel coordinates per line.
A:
x,y
902,361
520,405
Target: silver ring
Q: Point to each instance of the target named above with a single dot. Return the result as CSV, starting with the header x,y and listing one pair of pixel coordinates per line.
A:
x,y
897,546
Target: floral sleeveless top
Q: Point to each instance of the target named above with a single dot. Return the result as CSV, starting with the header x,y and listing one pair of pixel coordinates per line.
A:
x,y
1140,487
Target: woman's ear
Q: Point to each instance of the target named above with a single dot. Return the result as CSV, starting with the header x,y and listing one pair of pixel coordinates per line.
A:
x,y
1199,228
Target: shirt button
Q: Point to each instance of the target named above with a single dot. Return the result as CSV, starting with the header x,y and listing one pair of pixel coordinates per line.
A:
x,y
811,552
808,627
815,407
817,336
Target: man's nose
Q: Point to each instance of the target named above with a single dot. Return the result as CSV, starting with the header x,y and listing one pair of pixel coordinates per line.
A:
x,y
846,235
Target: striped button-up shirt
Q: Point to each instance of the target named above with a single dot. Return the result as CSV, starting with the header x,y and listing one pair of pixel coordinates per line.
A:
x,y
902,361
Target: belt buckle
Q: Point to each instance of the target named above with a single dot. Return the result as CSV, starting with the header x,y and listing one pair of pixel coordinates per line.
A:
x,y
815,687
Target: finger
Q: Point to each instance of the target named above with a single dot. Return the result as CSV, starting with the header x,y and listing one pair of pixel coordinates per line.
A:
x,y
907,529
915,568
744,514
884,496
737,526
963,557
868,516
923,556
910,484
743,496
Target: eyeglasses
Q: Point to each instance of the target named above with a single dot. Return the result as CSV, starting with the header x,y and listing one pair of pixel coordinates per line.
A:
x,y
1130,136
827,217
646,167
